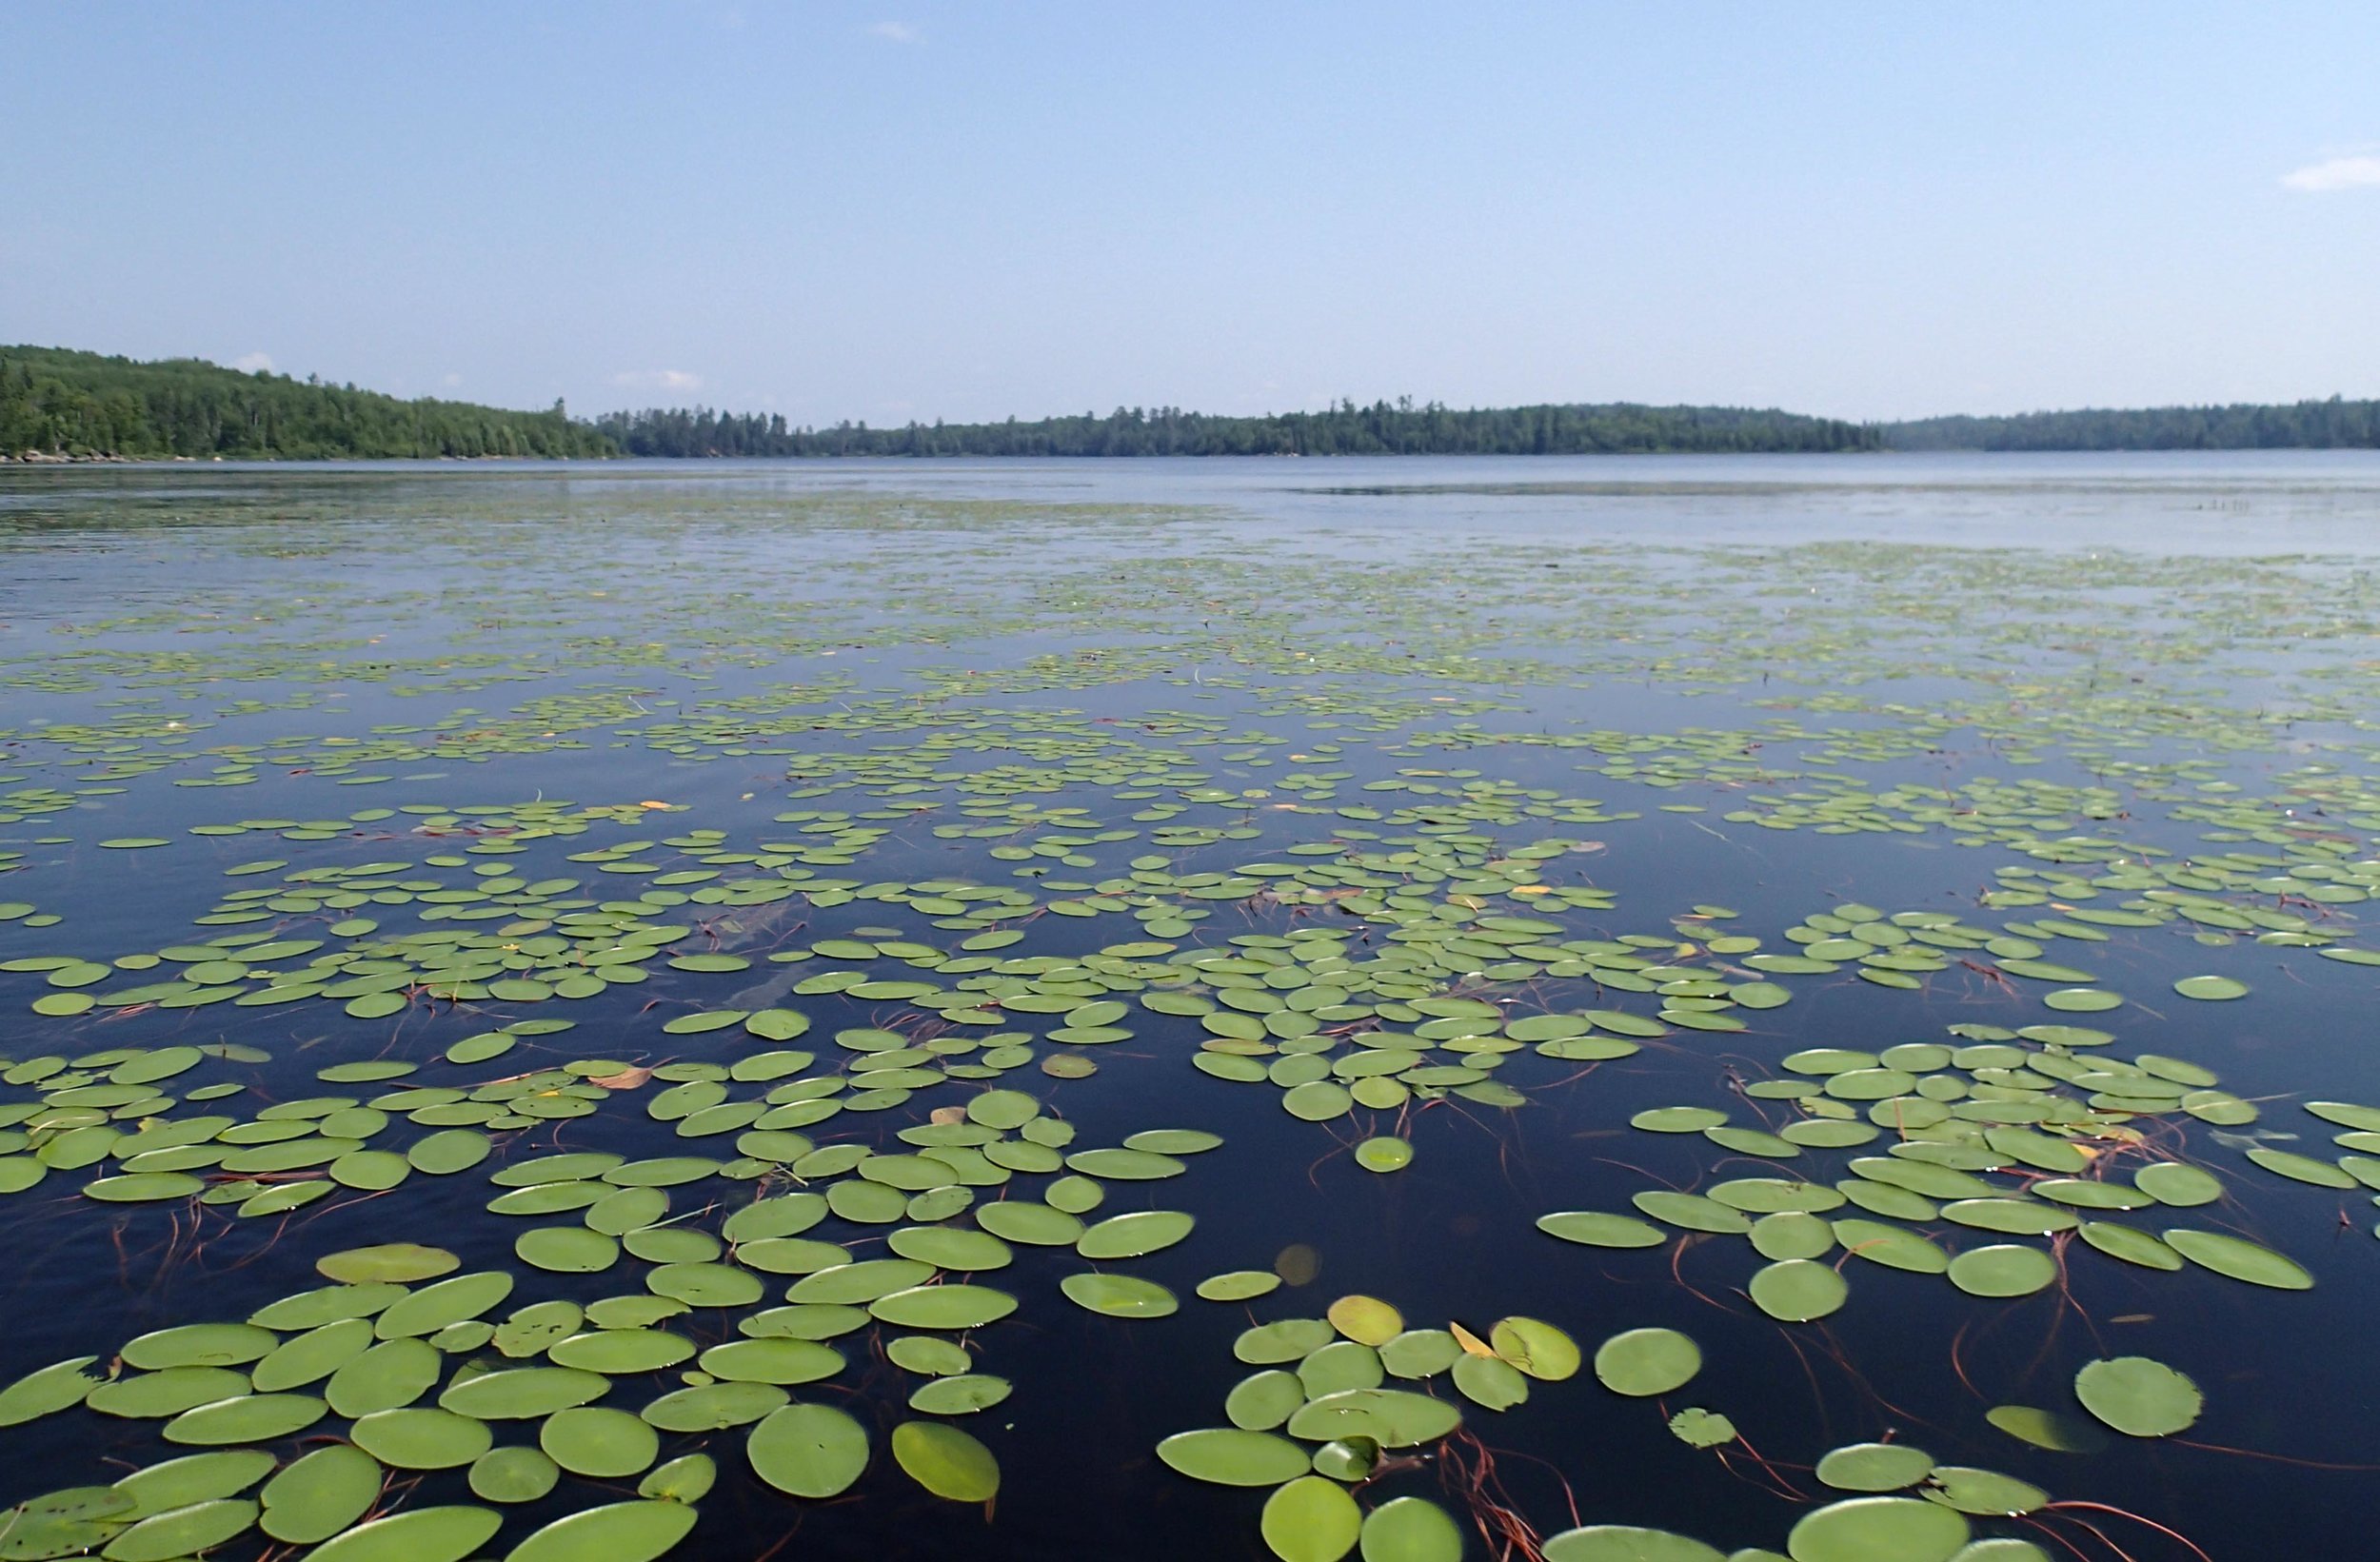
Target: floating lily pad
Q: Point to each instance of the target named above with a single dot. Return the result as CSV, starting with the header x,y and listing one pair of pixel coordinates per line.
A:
x,y
1870,1529
1644,1362
320,1494
1626,1543
1234,1455
420,1534
2239,1258
809,1450
1311,1519
1799,1290
1119,1296
599,1442
946,1461
2139,1396
1875,1467
1596,1229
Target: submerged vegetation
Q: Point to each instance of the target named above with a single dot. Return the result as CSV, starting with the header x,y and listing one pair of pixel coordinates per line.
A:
x,y
939,1026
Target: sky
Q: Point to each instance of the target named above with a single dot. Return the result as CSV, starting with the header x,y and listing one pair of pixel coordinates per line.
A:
x,y
918,211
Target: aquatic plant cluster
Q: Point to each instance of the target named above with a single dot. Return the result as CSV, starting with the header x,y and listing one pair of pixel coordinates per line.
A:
x,y
745,1014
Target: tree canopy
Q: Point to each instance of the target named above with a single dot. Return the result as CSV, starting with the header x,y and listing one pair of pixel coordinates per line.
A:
x,y
1382,428
56,401
2321,426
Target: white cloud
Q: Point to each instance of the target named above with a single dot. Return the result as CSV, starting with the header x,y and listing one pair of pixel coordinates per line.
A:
x,y
658,379
2361,170
451,379
250,363
895,32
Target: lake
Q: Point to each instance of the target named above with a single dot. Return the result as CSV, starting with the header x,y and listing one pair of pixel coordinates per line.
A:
x,y
1610,1009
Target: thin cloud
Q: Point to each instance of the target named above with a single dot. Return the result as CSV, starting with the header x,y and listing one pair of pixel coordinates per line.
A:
x,y
2358,172
658,379
251,363
895,32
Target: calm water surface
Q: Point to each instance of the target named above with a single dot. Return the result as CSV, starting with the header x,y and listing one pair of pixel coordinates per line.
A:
x,y
480,724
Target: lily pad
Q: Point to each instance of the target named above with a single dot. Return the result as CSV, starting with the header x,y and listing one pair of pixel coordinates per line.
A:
x,y
1311,1519
946,1461
1119,1296
1644,1362
809,1450
2140,1396
1873,1529
1234,1455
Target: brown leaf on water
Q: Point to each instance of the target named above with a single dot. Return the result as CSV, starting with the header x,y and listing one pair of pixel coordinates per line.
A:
x,y
627,1078
1471,1343
948,1114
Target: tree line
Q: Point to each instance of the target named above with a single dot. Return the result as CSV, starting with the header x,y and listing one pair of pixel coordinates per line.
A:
x,y
1383,428
55,402
59,402
2331,424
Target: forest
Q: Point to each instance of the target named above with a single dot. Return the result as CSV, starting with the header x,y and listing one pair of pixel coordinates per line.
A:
x,y
56,402
1383,428
59,402
2319,426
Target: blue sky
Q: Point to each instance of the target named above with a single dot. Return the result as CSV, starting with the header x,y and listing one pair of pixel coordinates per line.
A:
x,y
967,211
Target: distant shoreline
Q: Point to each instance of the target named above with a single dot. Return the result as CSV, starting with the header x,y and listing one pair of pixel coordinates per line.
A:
x,y
63,408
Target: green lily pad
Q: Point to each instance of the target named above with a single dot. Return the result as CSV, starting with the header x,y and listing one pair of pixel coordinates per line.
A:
x,y
1237,1285
1119,1296
1134,1236
2239,1258
47,1389
1872,1529
1645,1362
2002,1270
1410,1530
513,1474
1875,1467
320,1494
1235,1456
1699,1428
2047,1428
251,1418
421,1438
1535,1347
809,1450
420,1534
1799,1290
712,1406
1391,1417
183,1531
1311,1519
619,1532
1985,1493
1626,1543
2140,1396
943,1307
1595,1229
598,1442
522,1392
194,1478
946,1461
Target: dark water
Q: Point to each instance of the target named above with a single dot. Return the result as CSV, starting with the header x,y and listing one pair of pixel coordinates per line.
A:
x,y
345,641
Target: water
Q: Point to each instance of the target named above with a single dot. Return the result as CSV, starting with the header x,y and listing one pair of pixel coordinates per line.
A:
x,y
1958,665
